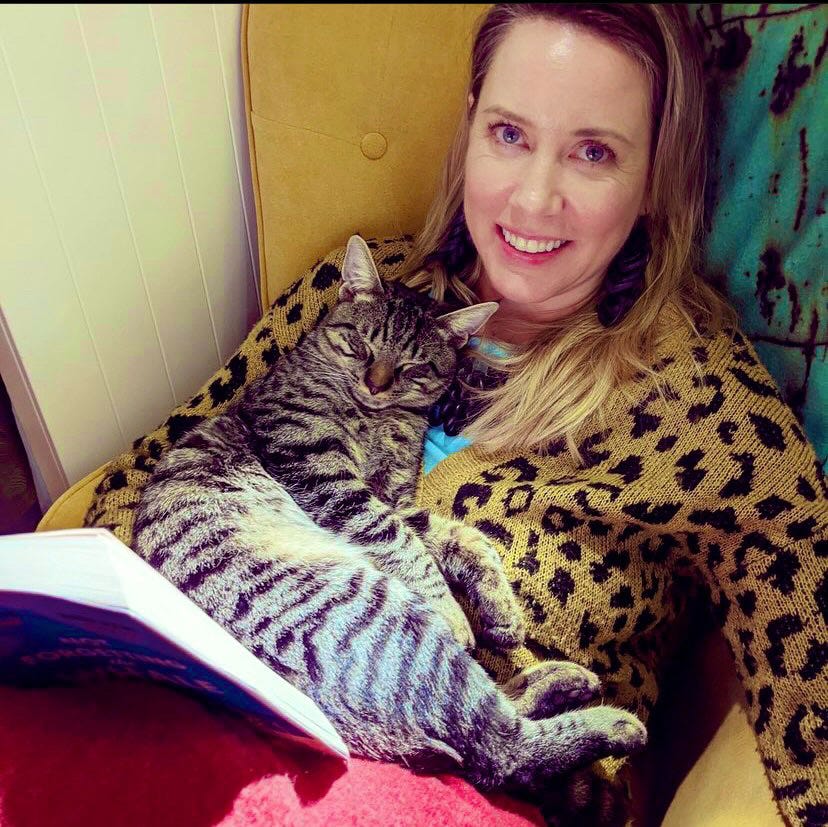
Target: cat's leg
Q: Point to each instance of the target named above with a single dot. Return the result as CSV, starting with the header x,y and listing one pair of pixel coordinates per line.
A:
x,y
470,563
354,513
552,687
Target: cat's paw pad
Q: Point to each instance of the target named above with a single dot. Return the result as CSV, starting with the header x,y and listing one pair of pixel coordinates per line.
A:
x,y
552,687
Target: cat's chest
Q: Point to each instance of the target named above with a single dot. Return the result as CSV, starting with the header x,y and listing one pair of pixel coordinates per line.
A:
x,y
388,454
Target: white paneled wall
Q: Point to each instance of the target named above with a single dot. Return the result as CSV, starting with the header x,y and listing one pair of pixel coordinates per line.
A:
x,y
127,245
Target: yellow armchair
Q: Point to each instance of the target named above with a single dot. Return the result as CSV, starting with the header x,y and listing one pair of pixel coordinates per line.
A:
x,y
350,109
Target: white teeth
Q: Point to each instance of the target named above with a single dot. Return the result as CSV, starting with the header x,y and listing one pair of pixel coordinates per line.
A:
x,y
531,246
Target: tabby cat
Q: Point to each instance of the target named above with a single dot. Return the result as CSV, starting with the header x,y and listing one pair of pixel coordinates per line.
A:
x,y
290,519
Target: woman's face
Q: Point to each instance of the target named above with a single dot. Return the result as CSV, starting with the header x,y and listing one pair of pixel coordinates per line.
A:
x,y
557,166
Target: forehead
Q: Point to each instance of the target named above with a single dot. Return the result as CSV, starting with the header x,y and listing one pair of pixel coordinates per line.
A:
x,y
555,73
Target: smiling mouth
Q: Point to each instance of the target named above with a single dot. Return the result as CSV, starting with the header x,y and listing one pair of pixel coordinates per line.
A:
x,y
532,246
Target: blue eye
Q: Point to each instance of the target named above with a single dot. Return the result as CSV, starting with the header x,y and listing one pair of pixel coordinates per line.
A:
x,y
506,133
596,153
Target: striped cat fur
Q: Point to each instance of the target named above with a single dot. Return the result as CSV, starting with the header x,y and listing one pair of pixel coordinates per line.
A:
x,y
290,519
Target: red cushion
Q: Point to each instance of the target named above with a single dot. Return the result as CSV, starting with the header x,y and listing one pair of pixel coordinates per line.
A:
x,y
139,754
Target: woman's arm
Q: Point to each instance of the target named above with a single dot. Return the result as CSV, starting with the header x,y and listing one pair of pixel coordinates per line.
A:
x,y
762,548
292,315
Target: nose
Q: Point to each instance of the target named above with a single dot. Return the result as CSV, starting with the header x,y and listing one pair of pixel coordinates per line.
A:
x,y
379,377
539,190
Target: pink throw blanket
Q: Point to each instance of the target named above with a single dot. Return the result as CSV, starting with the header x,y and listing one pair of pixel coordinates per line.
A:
x,y
141,755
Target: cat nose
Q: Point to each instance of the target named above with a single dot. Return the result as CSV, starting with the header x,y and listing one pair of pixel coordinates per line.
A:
x,y
379,377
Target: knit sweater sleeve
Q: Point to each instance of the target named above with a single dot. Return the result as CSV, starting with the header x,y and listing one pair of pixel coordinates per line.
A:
x,y
296,311
759,541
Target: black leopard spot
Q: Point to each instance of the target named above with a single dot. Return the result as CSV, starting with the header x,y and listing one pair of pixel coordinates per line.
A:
x,y
558,520
644,620
561,585
804,489
636,680
653,514
495,531
527,472
649,590
179,424
721,609
814,815
772,507
765,698
325,276
295,313
802,529
582,499
529,562
782,571
598,529
768,432
778,630
762,389
538,612
323,311
714,556
622,599
117,480
701,355
821,548
619,623
726,430
600,571
271,354
747,602
821,597
746,638
394,258
702,410
518,499
630,531
794,742
221,391
469,490
144,463
666,543
137,443
666,443
587,632
571,550
815,660
722,518
155,449
691,476
628,469
793,790
740,485
591,458
798,433
821,712
285,297
196,400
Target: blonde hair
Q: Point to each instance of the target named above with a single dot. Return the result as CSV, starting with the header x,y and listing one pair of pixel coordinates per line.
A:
x,y
559,382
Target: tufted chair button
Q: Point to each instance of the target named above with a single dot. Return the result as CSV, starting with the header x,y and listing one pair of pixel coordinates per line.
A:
x,y
373,145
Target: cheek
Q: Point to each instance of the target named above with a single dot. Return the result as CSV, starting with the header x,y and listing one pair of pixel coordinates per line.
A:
x,y
607,214
485,190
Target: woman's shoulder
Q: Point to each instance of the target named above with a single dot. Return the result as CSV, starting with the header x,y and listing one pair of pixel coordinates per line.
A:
x,y
718,387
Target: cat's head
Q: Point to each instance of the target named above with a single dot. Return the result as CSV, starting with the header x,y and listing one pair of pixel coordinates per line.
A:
x,y
391,344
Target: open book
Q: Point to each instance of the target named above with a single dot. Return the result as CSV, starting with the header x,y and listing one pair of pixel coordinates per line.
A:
x,y
79,605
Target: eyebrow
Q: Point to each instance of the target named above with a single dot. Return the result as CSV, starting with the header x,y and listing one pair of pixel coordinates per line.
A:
x,y
585,132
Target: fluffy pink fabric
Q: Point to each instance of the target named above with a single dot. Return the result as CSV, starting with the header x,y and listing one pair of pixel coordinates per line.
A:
x,y
140,755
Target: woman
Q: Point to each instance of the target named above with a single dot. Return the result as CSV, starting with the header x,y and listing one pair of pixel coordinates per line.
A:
x,y
635,449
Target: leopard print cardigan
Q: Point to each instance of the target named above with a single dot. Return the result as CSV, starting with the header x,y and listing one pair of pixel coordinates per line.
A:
x,y
710,487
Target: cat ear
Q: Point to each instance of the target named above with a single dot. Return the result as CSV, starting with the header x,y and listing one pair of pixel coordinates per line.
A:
x,y
359,273
462,323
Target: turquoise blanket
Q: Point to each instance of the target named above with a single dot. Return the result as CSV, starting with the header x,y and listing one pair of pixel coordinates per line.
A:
x,y
766,204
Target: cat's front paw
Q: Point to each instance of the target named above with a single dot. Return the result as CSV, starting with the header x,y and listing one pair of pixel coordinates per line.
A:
x,y
457,621
484,582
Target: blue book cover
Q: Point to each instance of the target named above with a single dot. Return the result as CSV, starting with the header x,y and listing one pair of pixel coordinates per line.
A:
x,y
89,630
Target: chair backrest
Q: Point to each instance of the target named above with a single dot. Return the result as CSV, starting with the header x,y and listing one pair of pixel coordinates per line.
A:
x,y
351,109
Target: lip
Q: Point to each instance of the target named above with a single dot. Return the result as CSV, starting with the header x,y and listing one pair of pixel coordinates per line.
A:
x,y
513,254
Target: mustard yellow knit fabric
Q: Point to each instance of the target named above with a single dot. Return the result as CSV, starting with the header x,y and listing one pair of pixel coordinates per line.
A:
x,y
710,489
